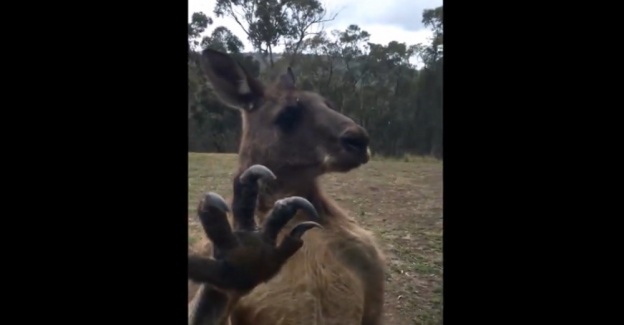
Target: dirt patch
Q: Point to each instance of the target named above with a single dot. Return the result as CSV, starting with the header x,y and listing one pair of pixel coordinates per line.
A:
x,y
400,201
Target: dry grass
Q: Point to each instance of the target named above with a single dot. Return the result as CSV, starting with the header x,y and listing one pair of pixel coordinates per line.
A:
x,y
398,199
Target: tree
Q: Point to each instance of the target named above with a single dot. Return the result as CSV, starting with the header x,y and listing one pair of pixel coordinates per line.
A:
x,y
223,39
267,22
199,23
302,16
433,18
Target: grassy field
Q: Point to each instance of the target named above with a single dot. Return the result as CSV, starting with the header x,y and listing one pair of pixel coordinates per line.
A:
x,y
399,200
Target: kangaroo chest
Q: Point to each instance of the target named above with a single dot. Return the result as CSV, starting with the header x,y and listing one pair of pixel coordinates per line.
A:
x,y
313,288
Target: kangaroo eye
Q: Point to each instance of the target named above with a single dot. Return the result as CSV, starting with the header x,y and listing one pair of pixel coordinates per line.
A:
x,y
289,118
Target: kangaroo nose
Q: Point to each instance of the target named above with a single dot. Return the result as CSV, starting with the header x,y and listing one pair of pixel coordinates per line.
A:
x,y
355,139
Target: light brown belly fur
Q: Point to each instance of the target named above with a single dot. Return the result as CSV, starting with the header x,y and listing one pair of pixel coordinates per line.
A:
x,y
313,288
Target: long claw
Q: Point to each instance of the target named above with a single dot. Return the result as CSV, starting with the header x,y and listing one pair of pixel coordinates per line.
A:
x,y
283,211
255,173
245,194
212,216
292,243
301,228
214,200
297,202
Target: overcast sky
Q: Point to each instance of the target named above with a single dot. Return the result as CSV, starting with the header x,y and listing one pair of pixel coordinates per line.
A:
x,y
389,20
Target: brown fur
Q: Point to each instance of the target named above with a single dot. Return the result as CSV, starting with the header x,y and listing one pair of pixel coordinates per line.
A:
x,y
337,277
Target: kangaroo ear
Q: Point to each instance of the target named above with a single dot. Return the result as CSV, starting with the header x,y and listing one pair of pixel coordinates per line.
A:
x,y
287,80
230,81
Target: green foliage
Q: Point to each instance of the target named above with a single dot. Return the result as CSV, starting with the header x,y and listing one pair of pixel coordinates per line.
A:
x,y
267,22
375,84
199,23
222,39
